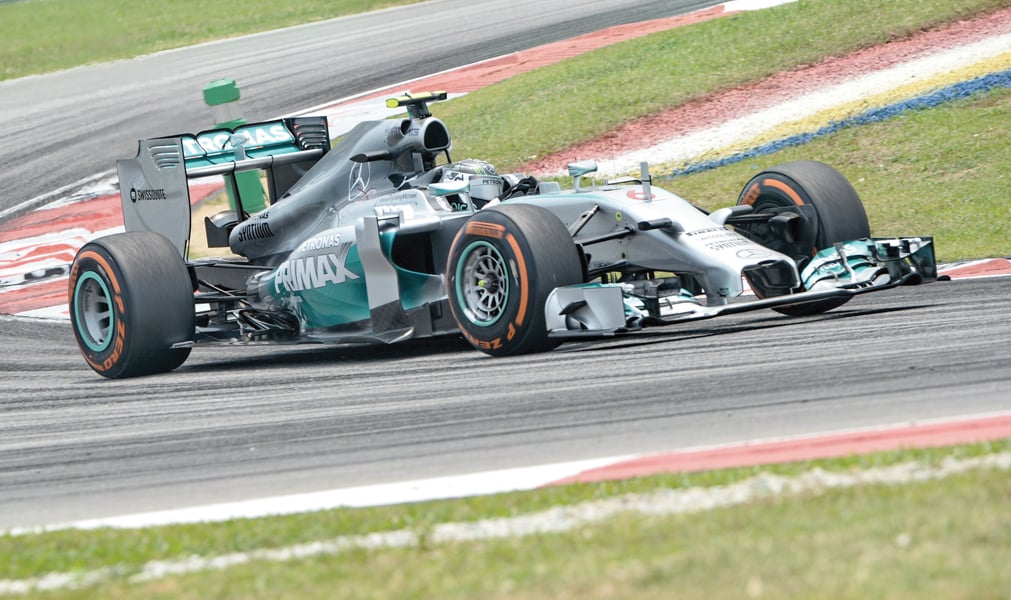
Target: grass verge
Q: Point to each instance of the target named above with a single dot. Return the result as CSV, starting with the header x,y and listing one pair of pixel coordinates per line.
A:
x,y
546,110
912,540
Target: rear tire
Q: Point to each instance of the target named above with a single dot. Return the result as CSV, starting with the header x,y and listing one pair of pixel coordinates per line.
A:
x,y
131,299
829,206
502,266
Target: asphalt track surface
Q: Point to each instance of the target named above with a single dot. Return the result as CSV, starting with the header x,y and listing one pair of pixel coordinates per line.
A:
x,y
238,423
62,127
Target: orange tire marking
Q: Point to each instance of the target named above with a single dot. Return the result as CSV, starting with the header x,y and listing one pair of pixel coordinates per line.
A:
x,y
521,266
789,191
753,192
120,332
108,271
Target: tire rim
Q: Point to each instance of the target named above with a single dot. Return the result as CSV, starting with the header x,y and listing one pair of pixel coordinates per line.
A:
x,y
482,283
93,311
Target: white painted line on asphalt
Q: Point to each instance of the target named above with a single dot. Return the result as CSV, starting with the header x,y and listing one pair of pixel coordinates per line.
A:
x,y
439,488
455,486
559,519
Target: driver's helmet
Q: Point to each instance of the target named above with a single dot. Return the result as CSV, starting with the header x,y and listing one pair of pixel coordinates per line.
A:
x,y
485,182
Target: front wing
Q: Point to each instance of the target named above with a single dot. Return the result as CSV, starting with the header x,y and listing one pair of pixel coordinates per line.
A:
x,y
847,269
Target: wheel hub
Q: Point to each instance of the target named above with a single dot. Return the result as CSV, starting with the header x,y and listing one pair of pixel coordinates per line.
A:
x,y
482,285
93,304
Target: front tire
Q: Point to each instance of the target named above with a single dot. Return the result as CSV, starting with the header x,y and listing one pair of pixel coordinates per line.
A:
x,y
131,299
503,264
830,209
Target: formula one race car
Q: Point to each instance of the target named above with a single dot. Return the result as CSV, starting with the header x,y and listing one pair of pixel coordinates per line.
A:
x,y
374,240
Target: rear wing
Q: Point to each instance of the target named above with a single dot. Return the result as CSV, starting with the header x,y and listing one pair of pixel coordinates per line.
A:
x,y
154,185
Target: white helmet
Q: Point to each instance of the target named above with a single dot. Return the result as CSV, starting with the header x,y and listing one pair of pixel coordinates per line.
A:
x,y
485,182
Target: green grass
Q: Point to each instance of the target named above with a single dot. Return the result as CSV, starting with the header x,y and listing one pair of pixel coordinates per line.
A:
x,y
546,110
38,36
869,541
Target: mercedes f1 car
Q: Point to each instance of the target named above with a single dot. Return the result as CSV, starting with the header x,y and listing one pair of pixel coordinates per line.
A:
x,y
383,238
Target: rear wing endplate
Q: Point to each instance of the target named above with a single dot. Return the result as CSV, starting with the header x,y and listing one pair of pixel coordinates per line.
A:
x,y
153,185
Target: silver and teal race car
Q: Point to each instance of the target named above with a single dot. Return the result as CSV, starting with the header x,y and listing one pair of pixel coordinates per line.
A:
x,y
384,238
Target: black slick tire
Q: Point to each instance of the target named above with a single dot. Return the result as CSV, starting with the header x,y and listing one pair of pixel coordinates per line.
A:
x,y
131,299
503,264
828,203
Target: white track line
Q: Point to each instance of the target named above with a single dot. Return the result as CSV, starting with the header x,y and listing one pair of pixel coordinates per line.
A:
x,y
437,488
555,520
